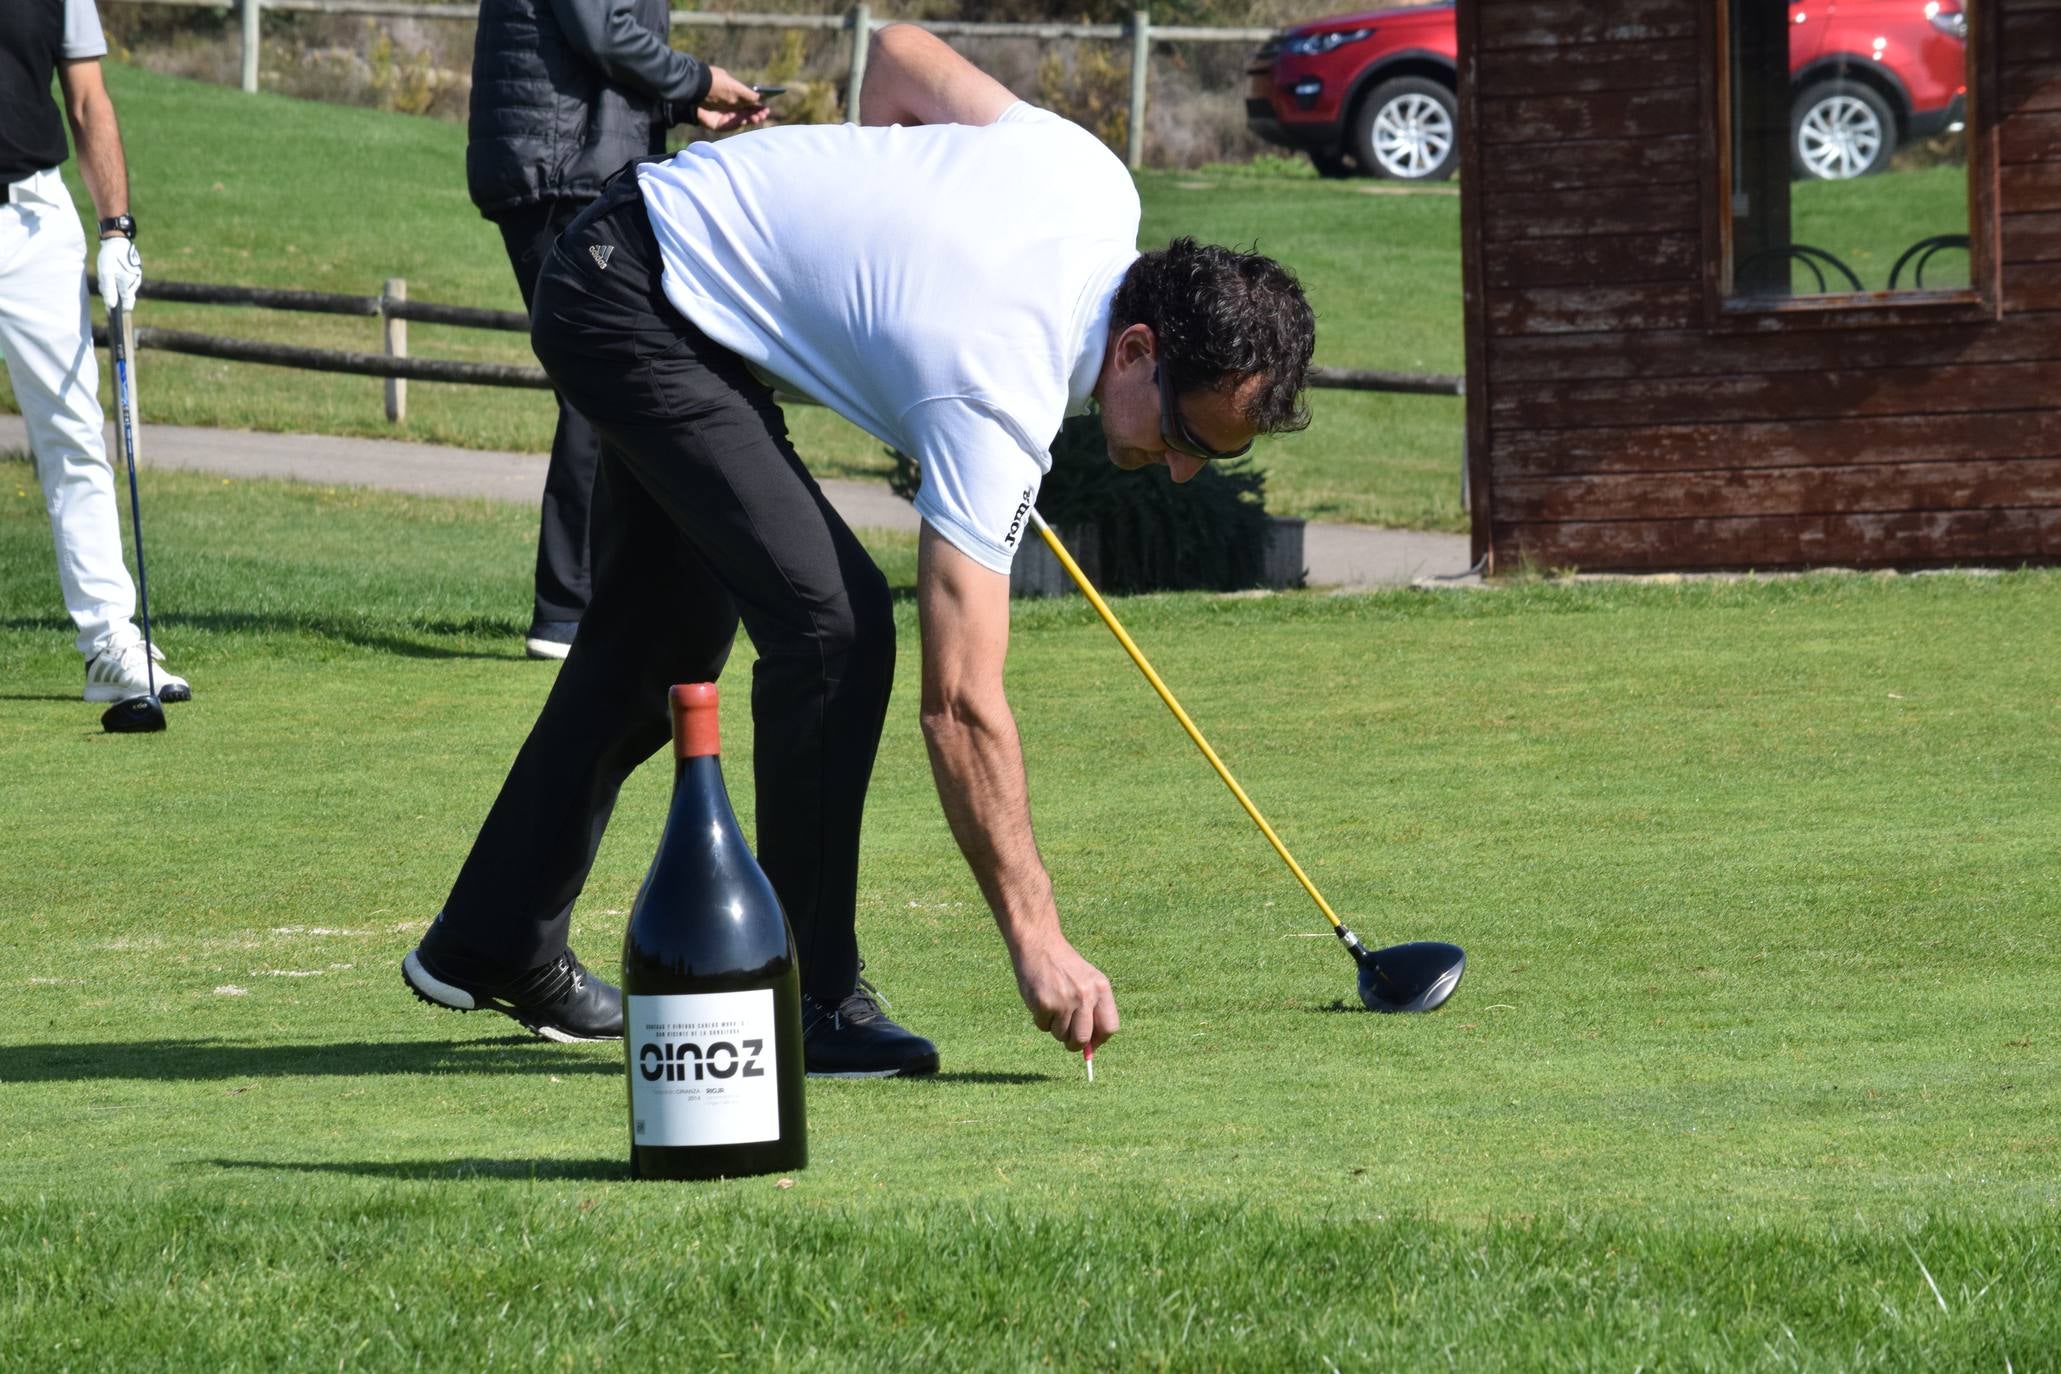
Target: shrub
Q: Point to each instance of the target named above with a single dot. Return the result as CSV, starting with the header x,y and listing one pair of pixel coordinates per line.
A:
x,y
1209,533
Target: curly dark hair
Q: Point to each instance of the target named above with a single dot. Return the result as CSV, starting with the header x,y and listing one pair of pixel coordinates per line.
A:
x,y
1221,316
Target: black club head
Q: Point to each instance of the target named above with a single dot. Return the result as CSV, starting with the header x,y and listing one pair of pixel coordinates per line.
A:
x,y
1418,976
137,716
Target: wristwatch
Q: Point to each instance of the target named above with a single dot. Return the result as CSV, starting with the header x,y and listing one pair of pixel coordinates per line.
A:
x,y
119,224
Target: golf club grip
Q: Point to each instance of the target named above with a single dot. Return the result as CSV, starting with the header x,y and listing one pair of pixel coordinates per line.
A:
x,y
121,343
1109,618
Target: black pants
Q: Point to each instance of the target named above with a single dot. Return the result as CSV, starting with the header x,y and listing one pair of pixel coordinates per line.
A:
x,y
703,516
563,550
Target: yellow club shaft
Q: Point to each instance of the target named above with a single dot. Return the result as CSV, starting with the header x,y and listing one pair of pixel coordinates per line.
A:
x,y
1109,618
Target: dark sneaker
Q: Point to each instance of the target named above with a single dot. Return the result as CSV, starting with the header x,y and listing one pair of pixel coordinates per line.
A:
x,y
560,1001
854,1039
550,638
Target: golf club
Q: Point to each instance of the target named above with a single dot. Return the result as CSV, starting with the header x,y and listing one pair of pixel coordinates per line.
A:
x,y
1418,976
144,714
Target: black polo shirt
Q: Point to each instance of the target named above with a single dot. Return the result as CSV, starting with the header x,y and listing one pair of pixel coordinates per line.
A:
x,y
34,36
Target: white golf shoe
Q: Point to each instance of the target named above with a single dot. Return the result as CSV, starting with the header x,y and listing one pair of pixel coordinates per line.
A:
x,y
118,673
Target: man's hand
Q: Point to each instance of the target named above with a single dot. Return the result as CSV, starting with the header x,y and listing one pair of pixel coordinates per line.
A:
x,y
1068,997
729,104
120,271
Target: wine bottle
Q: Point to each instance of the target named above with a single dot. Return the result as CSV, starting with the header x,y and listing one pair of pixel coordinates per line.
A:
x,y
711,986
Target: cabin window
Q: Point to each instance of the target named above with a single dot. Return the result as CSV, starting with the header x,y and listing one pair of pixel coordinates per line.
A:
x,y
1849,149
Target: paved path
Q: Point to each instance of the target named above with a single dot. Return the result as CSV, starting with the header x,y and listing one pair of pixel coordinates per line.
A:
x,y
1336,555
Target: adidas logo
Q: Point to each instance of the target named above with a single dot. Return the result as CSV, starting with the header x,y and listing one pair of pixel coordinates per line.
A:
x,y
601,253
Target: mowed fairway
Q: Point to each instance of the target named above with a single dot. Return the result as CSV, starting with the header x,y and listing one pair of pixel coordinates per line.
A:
x,y
1754,1066
269,191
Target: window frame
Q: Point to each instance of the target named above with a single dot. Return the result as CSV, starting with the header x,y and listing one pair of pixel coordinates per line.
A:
x,y
1980,300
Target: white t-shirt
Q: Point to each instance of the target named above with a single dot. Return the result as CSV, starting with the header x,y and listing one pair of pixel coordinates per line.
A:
x,y
946,288
82,35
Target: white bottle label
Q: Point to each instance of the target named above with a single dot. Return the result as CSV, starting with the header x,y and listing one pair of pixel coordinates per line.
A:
x,y
702,1068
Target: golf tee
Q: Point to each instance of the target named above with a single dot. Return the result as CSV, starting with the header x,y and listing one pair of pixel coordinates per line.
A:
x,y
1088,1062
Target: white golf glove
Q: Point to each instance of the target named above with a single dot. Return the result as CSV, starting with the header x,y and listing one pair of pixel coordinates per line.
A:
x,y
121,272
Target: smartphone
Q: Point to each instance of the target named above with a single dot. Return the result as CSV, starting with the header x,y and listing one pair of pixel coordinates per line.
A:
x,y
769,90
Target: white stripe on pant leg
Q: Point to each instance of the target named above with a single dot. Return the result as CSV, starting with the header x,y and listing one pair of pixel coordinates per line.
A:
x,y
46,335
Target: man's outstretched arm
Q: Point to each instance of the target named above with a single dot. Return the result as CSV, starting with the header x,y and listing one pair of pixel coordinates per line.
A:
x,y
913,77
978,764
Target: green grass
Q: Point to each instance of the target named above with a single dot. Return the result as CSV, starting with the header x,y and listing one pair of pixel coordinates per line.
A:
x,y
1381,264
1756,879
268,191
1868,222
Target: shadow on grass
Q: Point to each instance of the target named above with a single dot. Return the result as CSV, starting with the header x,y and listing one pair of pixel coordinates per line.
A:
x,y
341,629
204,1060
170,1061
973,1077
364,635
451,1170
44,696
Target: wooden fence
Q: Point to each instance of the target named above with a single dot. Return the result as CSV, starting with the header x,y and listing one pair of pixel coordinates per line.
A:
x,y
393,308
859,21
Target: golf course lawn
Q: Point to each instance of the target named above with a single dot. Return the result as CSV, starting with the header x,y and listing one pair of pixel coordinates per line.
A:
x,y
1754,1065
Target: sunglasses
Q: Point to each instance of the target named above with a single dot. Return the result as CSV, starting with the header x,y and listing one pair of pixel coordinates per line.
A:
x,y
1174,431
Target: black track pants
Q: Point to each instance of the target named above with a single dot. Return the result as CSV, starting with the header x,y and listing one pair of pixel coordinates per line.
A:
x,y
564,559
703,516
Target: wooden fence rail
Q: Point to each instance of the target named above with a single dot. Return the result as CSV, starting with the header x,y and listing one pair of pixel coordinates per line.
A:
x,y
334,360
393,305
858,21
389,306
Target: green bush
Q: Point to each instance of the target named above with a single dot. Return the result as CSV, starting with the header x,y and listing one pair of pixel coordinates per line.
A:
x,y
1209,534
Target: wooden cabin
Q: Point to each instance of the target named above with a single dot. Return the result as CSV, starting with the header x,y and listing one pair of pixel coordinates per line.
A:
x,y
1687,350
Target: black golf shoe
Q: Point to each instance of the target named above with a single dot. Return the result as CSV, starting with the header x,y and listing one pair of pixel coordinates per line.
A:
x,y
559,1001
854,1039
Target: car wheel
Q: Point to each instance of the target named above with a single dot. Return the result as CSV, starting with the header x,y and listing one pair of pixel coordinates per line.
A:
x,y
1840,130
1333,164
1408,129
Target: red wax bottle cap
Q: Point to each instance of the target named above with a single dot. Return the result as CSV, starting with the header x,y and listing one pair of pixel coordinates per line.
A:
x,y
694,720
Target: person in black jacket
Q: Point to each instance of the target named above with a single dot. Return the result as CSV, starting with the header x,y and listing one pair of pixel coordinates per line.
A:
x,y
564,92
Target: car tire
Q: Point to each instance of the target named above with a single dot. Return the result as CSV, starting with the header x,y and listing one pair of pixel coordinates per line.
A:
x,y
1407,129
1839,130
1333,165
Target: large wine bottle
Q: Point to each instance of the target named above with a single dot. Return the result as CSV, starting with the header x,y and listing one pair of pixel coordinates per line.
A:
x,y
711,987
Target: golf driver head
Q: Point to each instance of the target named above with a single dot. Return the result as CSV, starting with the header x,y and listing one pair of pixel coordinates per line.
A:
x,y
1418,976
137,716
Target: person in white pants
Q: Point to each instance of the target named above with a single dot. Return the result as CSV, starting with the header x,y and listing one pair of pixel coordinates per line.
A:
x,y
45,331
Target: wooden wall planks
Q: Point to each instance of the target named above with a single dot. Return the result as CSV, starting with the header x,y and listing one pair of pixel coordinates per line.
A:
x,y
1571,23
1854,488
1614,423
2030,186
1815,393
1621,258
1904,539
1699,447
1594,164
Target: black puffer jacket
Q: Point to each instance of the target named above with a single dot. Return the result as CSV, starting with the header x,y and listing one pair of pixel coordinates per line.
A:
x,y
566,91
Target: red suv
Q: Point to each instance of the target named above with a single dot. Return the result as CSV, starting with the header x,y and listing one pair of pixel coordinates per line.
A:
x,y
1374,92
